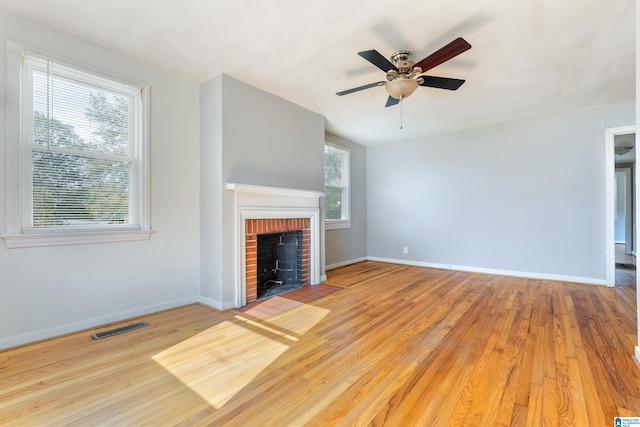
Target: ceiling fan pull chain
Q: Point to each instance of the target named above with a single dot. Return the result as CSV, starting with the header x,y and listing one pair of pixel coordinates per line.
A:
x,y
400,113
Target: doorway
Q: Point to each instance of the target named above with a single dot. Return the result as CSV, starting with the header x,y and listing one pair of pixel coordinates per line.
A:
x,y
621,207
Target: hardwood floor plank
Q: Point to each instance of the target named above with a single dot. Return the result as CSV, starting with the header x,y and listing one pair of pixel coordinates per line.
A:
x,y
399,345
583,406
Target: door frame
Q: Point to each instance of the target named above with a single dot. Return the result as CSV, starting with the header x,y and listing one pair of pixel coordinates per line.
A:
x,y
610,169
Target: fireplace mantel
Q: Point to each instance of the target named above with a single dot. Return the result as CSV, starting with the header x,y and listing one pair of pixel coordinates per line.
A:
x,y
274,191
263,202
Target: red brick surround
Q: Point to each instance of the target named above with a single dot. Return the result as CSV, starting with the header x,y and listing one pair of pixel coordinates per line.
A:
x,y
253,227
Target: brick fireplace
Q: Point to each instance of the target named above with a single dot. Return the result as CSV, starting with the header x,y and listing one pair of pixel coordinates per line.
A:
x,y
256,227
268,210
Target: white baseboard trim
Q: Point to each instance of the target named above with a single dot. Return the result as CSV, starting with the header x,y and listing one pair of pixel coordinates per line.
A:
x,y
323,278
95,322
215,304
638,354
525,274
343,263
409,262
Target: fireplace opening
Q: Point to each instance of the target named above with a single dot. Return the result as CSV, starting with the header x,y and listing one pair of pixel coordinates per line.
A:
x,y
279,263
255,227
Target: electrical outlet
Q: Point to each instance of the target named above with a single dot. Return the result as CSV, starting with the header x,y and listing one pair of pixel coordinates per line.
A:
x,y
405,250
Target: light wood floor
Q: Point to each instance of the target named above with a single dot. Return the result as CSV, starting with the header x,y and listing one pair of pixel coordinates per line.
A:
x,y
625,277
399,346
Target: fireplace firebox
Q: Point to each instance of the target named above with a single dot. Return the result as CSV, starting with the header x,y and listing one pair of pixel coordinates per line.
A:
x,y
277,256
279,263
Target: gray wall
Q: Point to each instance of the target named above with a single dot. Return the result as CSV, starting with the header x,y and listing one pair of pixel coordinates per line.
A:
x,y
254,138
53,290
347,245
525,196
269,141
211,189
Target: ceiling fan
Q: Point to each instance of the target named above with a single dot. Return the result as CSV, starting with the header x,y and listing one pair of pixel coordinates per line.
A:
x,y
404,76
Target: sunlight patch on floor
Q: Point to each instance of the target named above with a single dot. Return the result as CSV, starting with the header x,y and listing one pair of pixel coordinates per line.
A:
x,y
299,320
223,360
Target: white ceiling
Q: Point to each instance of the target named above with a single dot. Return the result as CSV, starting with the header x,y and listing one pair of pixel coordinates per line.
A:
x,y
528,58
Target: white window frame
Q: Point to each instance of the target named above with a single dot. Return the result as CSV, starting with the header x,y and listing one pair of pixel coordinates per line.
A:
x,y
345,221
15,236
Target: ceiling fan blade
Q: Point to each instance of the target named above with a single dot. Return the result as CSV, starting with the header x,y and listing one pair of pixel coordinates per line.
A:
x,y
443,54
441,82
356,89
391,101
378,60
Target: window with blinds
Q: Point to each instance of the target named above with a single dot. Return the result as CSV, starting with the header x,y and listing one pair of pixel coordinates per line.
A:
x,y
81,147
336,183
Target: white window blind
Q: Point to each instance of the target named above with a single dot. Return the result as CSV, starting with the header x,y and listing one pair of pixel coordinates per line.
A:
x,y
81,140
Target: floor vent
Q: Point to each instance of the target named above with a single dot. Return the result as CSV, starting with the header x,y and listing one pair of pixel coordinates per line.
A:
x,y
119,330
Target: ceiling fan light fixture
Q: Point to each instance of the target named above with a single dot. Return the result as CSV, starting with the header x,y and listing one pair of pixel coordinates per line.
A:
x,y
401,87
621,151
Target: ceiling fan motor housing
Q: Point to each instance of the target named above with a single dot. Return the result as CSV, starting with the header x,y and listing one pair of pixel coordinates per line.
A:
x,y
402,61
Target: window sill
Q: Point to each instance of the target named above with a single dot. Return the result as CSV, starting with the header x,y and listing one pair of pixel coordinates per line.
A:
x,y
40,240
337,225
